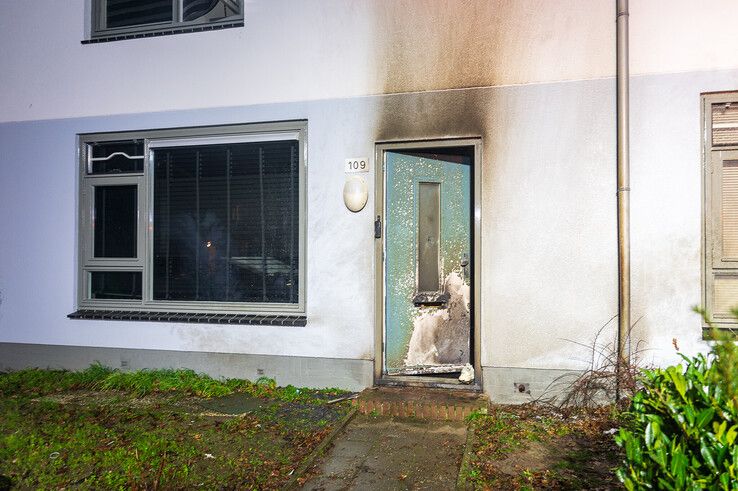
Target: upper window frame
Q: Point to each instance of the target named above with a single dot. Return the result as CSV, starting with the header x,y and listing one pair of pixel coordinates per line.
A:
x,y
99,32
86,263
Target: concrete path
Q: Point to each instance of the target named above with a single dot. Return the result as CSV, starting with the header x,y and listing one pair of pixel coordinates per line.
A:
x,y
380,453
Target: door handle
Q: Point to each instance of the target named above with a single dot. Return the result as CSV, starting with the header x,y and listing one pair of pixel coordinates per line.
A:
x,y
378,227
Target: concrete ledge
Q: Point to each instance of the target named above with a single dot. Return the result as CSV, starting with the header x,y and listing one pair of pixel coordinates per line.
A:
x,y
420,403
349,374
502,384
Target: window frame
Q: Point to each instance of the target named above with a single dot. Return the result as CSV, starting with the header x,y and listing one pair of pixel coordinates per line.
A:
x,y
250,132
714,265
98,30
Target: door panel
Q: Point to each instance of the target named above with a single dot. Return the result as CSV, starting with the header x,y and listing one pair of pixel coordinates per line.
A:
x,y
427,269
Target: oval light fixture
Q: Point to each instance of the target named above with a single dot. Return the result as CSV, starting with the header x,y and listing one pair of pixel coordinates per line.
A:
x,y
355,193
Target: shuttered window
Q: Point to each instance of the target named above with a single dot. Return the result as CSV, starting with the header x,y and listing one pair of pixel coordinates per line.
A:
x,y
126,18
721,207
194,220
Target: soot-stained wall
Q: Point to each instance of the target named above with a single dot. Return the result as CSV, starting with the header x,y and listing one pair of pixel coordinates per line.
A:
x,y
323,49
548,269
532,79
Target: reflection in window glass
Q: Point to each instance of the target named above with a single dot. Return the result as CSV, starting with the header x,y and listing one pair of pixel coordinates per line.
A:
x,y
115,285
193,10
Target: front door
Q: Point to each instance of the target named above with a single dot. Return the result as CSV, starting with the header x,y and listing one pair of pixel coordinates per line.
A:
x,y
427,262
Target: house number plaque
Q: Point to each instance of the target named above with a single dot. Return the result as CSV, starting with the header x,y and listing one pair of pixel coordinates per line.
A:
x,y
355,166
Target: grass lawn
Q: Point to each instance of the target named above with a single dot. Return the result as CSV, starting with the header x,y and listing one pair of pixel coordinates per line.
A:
x,y
168,429
535,447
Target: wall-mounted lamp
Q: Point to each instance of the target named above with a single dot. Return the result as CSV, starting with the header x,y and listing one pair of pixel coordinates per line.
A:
x,y
355,193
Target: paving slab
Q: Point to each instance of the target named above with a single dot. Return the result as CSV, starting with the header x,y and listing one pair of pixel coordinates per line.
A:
x,y
381,453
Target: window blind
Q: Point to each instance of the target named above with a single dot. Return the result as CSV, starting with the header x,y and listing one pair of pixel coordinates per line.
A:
x,y
125,13
226,222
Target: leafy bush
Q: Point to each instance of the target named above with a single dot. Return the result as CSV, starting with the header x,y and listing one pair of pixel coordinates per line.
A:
x,y
684,425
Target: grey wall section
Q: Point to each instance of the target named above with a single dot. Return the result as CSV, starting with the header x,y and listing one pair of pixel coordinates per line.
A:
x,y
298,371
502,384
548,222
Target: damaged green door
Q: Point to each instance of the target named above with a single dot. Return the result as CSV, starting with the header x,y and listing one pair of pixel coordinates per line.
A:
x,y
427,263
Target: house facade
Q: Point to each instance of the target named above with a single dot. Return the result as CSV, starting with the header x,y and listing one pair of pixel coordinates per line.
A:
x,y
344,193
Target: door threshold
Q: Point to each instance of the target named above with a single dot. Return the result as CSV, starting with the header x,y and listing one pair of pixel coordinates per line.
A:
x,y
427,382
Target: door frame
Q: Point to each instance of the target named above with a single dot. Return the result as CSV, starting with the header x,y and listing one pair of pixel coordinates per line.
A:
x,y
475,333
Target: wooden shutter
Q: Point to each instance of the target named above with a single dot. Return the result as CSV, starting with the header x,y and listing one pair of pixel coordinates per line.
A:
x,y
722,233
720,269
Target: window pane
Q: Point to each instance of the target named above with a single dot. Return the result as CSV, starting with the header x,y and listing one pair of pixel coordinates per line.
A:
x,y
124,13
115,226
116,157
226,221
209,10
429,219
115,285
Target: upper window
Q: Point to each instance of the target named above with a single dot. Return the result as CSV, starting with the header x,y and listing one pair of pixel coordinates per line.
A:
x,y
130,18
208,219
720,269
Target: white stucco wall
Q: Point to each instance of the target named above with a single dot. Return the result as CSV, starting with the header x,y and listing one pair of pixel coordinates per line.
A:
x,y
320,49
38,197
548,220
548,204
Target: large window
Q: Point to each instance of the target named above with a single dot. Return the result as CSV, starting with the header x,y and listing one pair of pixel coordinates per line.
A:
x,y
129,18
720,270
193,220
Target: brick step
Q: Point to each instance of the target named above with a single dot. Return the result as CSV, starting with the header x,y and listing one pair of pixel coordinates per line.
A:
x,y
421,403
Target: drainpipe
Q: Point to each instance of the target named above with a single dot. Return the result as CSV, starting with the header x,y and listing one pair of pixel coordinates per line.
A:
x,y
623,189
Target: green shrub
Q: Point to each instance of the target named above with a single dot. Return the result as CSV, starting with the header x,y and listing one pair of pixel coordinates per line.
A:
x,y
684,425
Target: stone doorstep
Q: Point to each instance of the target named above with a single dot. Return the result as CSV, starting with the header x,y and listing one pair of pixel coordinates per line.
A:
x,y
412,402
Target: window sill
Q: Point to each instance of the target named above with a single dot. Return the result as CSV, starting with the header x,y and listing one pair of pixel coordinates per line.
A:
x,y
199,318
163,32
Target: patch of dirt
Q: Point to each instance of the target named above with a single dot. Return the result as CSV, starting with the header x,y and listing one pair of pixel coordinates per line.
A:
x,y
536,456
233,404
533,446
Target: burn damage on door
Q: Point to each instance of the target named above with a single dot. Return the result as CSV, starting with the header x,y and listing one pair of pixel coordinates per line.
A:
x,y
428,246
441,333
